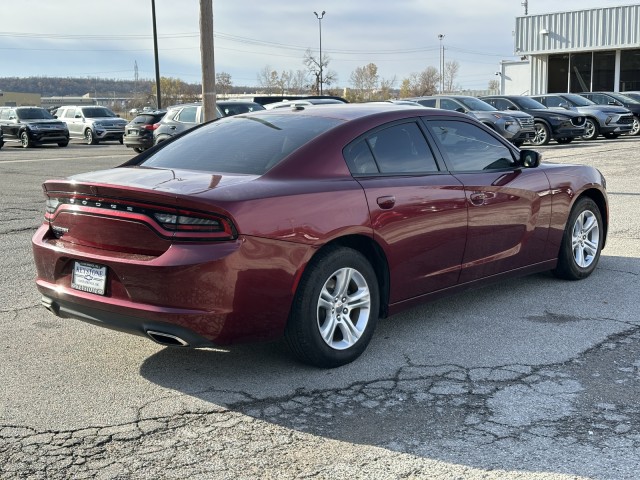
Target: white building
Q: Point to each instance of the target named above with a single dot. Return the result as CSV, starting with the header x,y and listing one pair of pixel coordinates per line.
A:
x,y
585,50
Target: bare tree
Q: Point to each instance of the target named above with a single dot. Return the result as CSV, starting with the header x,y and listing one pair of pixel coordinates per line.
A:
x,y
223,83
420,84
300,82
266,79
313,63
450,73
494,86
386,84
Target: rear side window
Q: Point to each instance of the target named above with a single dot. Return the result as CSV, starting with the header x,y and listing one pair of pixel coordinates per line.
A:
x,y
187,115
399,149
240,144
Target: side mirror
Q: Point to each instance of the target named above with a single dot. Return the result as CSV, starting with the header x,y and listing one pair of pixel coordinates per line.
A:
x,y
461,110
530,158
511,107
78,116
566,106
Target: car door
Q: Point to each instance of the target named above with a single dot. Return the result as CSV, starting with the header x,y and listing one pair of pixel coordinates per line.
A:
x,y
509,207
74,124
417,209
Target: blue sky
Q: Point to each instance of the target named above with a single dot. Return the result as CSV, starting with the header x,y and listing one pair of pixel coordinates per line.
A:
x,y
76,38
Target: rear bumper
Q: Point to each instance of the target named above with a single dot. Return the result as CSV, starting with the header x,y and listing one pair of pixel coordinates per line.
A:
x,y
205,293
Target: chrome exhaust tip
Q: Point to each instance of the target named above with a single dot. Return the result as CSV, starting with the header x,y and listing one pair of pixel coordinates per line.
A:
x,y
166,339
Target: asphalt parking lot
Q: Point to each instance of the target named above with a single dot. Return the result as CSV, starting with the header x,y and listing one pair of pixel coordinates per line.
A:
x,y
529,379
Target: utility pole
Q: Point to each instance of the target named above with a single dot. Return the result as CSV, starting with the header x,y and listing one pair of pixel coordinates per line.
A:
x,y
207,59
155,51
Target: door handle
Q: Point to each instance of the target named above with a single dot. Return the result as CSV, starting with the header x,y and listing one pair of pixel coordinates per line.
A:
x,y
386,202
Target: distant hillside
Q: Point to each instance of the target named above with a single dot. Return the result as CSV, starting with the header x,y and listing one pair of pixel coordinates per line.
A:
x,y
57,86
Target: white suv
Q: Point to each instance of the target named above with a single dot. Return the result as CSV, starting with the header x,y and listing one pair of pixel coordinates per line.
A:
x,y
92,123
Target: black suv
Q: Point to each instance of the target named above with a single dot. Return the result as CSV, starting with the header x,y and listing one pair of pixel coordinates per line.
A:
x,y
562,126
32,126
621,100
138,134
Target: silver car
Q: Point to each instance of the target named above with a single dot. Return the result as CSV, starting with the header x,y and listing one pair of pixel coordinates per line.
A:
x,y
92,123
610,121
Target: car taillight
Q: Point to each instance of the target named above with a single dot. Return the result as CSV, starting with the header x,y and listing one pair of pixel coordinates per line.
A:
x,y
153,127
167,221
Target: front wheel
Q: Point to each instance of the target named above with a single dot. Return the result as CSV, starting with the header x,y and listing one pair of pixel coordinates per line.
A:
x,y
582,241
635,129
591,130
542,135
89,137
335,309
25,141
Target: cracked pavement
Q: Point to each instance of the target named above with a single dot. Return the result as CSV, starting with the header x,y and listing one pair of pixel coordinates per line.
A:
x,y
528,379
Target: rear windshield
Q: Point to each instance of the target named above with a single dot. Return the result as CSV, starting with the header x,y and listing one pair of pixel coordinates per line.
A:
x,y
147,118
250,144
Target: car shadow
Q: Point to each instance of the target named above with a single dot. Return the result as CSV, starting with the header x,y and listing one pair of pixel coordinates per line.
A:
x,y
440,381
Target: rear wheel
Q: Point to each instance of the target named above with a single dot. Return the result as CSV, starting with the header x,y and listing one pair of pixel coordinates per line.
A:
x,y
89,137
582,241
591,130
335,309
542,135
25,141
138,149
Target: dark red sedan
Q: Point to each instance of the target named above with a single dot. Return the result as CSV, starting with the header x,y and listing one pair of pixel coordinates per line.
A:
x,y
309,223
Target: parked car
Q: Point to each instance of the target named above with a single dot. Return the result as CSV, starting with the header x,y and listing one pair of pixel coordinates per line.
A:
x,y
303,102
236,107
92,123
608,121
632,94
309,224
517,127
180,118
621,100
563,126
138,134
32,126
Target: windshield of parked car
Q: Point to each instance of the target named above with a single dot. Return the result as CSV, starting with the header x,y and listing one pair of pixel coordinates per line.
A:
x,y
526,102
97,112
623,98
242,144
33,114
578,101
476,104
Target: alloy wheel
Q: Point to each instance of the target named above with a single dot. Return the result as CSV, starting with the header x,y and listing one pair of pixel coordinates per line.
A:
x,y
585,239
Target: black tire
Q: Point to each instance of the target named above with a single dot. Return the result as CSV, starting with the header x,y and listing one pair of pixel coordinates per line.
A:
x,y
121,140
518,143
348,314
89,137
138,149
542,135
564,140
63,144
25,141
591,130
584,227
611,136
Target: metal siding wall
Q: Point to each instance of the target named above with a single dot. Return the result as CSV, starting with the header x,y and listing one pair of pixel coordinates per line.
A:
x,y
595,29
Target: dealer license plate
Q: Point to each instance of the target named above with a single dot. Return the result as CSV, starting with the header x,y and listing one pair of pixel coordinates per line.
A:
x,y
89,277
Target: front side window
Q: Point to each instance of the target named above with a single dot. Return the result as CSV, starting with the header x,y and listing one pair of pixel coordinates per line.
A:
x,y
469,148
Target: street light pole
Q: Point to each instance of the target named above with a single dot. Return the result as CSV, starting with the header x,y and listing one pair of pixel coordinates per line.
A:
x,y
320,17
440,37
